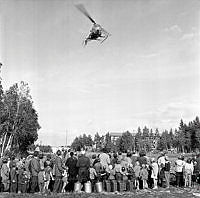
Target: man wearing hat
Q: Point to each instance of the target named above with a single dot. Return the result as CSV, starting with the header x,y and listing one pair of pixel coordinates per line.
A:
x,y
34,168
57,188
83,165
72,170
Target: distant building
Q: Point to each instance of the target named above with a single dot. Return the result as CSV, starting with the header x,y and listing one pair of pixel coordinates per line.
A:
x,y
150,140
116,135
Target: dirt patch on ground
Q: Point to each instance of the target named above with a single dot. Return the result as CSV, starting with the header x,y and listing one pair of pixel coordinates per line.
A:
x,y
147,193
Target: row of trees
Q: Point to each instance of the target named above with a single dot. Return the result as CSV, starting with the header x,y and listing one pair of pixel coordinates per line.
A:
x,y
18,118
127,141
184,139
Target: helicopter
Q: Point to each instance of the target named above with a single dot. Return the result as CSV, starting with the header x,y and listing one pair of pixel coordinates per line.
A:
x,y
97,33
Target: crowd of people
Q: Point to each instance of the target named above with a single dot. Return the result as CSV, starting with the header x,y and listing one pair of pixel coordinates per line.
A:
x,y
115,171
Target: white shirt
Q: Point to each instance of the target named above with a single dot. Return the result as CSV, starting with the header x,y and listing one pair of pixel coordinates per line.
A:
x,y
179,165
161,160
189,168
105,160
154,173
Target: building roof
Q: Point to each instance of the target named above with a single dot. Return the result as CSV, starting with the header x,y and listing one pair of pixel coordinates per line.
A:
x,y
118,134
115,134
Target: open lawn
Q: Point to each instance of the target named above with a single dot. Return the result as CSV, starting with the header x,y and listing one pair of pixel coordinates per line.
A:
x,y
160,193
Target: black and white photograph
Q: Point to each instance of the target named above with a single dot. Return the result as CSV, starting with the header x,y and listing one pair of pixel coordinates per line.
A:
x,y
99,98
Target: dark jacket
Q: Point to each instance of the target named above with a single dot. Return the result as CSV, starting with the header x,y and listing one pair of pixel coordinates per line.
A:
x,y
58,167
167,166
13,175
197,167
34,167
73,170
83,165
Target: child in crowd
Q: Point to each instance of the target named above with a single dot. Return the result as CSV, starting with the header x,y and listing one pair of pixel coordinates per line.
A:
x,y
23,180
5,174
104,173
93,159
65,180
13,178
112,173
137,174
144,176
118,169
26,180
154,174
98,168
124,174
41,179
167,171
188,171
93,176
48,175
131,173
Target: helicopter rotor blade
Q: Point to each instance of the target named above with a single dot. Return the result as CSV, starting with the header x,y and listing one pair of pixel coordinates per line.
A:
x,y
82,9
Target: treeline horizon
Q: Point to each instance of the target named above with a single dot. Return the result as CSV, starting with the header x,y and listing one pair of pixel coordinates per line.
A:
x,y
185,138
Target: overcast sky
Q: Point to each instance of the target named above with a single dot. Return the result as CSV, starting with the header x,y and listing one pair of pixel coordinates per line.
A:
x,y
146,73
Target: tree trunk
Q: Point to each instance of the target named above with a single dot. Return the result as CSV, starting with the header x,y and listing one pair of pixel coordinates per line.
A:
x,y
182,148
9,144
4,141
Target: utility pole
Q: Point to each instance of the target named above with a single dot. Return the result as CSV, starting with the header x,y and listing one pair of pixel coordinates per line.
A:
x,y
66,138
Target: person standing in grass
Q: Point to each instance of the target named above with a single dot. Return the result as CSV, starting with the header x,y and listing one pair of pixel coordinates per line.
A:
x,y
13,178
5,174
23,180
161,167
167,171
197,169
83,165
34,167
179,171
104,159
118,171
48,175
188,171
98,168
57,188
136,170
144,176
72,171
112,173
41,179
154,173
65,180
93,176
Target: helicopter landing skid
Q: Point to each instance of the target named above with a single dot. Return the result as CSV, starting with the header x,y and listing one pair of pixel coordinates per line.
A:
x,y
85,42
105,37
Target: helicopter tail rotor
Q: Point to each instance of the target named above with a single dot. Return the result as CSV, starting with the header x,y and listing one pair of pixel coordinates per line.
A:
x,y
82,9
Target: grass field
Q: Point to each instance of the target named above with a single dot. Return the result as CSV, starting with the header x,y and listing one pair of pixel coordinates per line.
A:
x,y
160,193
